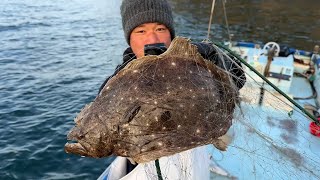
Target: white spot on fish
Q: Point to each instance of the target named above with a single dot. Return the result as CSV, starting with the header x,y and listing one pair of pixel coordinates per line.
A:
x,y
198,131
121,98
164,128
135,71
160,143
180,87
181,105
190,90
168,92
173,64
155,102
190,72
179,126
179,77
136,88
156,118
108,87
162,75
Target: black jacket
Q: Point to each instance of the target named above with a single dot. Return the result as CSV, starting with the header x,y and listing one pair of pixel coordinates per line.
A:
x,y
208,52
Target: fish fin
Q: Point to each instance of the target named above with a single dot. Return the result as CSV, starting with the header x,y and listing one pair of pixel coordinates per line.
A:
x,y
182,47
222,142
131,161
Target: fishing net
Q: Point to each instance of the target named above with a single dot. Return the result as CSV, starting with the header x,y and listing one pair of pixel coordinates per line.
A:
x,y
269,136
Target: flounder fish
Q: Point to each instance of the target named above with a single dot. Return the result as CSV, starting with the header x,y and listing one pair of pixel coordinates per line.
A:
x,y
157,106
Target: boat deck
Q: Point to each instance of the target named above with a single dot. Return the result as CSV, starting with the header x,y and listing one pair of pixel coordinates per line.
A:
x,y
272,140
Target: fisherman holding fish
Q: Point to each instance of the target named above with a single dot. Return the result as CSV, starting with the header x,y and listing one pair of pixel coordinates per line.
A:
x,y
185,99
149,23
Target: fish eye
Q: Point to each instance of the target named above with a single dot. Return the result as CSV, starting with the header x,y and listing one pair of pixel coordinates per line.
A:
x,y
81,136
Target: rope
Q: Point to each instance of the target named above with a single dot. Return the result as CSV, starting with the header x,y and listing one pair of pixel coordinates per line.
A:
x,y
226,18
210,21
158,169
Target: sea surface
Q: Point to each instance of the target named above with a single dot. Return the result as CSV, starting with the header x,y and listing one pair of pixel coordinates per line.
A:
x,y
54,55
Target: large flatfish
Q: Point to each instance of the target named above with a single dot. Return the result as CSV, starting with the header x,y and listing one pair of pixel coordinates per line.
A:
x,y
157,106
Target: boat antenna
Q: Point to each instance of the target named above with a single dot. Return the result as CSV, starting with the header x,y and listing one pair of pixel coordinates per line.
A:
x,y
210,21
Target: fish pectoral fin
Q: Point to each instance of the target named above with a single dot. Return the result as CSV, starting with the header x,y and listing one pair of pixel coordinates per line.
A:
x,y
131,161
222,142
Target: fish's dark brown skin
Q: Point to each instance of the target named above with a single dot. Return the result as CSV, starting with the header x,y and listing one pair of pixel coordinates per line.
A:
x,y
157,106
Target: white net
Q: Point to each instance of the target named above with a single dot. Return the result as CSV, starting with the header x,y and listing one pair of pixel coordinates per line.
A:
x,y
169,107
270,138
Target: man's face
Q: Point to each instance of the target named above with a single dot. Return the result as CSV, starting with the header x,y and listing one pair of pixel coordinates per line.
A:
x,y
148,33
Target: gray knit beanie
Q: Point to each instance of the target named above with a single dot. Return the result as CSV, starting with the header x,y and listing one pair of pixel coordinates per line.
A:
x,y
137,12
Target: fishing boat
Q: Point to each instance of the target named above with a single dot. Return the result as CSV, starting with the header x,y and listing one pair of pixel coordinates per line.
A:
x,y
276,131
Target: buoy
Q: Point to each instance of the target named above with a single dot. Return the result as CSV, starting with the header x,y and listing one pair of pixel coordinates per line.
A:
x,y
315,128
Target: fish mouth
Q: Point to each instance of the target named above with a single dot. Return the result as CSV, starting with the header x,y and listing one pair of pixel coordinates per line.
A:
x,y
75,148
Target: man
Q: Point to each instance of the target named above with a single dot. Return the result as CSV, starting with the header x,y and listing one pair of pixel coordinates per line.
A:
x,y
148,22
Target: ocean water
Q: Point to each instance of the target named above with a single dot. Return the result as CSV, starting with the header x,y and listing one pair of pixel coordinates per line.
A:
x,y
55,54
53,57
